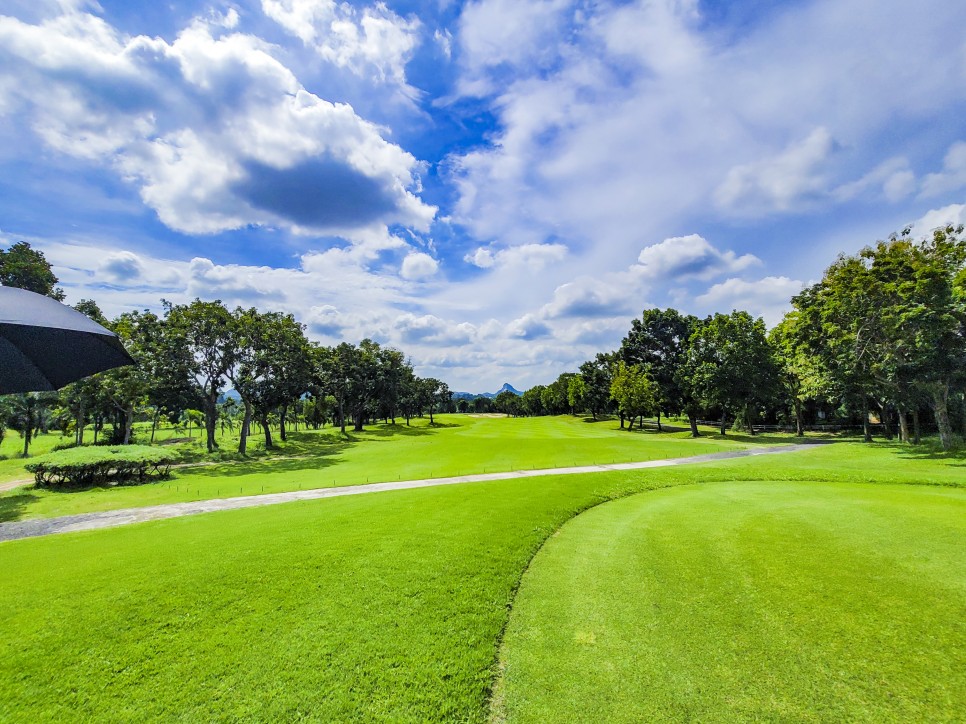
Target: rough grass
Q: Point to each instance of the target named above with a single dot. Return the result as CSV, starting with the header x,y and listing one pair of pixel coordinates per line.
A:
x,y
385,607
746,602
458,444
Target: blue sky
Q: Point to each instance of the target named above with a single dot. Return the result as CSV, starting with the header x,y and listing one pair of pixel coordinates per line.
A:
x,y
495,187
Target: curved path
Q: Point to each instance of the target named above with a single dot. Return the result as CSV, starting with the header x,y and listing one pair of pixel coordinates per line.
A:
x,y
125,516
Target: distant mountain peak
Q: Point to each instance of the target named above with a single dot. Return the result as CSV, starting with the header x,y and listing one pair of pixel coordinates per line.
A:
x,y
507,387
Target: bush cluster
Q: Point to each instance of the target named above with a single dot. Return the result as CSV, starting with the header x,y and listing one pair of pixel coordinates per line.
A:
x,y
85,466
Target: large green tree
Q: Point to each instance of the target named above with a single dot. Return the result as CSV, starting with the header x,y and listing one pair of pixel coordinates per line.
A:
x,y
272,368
26,268
731,366
207,332
658,343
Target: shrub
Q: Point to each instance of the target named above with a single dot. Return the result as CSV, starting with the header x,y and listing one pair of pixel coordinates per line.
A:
x,y
85,466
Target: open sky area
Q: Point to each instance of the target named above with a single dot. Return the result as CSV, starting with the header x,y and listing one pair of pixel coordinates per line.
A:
x,y
495,187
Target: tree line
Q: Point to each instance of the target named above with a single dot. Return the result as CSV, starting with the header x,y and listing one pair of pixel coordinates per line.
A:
x,y
883,332
188,356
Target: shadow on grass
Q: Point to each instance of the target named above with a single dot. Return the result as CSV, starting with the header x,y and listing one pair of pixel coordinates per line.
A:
x,y
13,506
310,450
928,449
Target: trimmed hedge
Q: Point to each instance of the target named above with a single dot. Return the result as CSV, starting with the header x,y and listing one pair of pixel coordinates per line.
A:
x,y
86,466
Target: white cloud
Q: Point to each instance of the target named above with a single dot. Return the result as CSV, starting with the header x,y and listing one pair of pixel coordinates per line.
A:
x,y
683,257
495,33
528,327
892,178
444,39
954,214
769,297
417,266
530,256
781,182
371,39
215,132
428,328
953,175
586,297
604,137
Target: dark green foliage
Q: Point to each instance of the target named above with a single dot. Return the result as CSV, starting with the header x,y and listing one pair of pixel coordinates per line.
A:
x,y
26,268
730,366
87,466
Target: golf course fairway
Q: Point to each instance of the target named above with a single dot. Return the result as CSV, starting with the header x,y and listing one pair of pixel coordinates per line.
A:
x,y
752,601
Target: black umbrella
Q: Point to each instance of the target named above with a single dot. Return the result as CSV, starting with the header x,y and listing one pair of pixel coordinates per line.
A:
x,y
45,345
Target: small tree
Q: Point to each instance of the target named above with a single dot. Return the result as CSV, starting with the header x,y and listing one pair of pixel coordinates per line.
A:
x,y
633,392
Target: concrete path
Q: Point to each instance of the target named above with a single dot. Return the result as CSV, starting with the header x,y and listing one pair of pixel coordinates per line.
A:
x,y
112,518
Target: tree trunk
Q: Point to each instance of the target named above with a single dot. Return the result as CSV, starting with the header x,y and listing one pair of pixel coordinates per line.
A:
x,y
724,423
866,429
211,420
621,413
659,428
886,422
341,416
903,426
268,432
751,424
799,425
358,419
80,423
430,414
917,433
246,428
693,422
154,423
940,408
283,413
128,423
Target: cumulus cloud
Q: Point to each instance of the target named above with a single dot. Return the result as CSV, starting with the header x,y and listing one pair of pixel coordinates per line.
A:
x,y
430,328
418,265
954,214
216,133
372,39
530,256
781,182
497,34
683,257
892,178
618,119
769,297
123,266
325,320
953,175
586,297
528,327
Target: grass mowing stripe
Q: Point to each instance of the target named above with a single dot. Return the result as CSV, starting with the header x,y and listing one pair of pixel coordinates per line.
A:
x,y
459,444
384,608
730,602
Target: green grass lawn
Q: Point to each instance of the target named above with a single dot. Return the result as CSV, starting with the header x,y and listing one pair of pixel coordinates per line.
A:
x,y
746,602
383,607
458,444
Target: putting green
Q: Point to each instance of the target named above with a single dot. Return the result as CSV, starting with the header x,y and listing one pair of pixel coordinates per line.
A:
x,y
746,601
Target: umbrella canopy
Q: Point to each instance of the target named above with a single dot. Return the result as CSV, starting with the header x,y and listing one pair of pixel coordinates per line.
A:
x,y
45,345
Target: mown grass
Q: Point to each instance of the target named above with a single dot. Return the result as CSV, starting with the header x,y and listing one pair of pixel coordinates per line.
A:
x,y
746,602
458,444
384,607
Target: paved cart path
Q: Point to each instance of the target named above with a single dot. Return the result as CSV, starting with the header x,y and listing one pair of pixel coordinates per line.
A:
x,y
112,518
